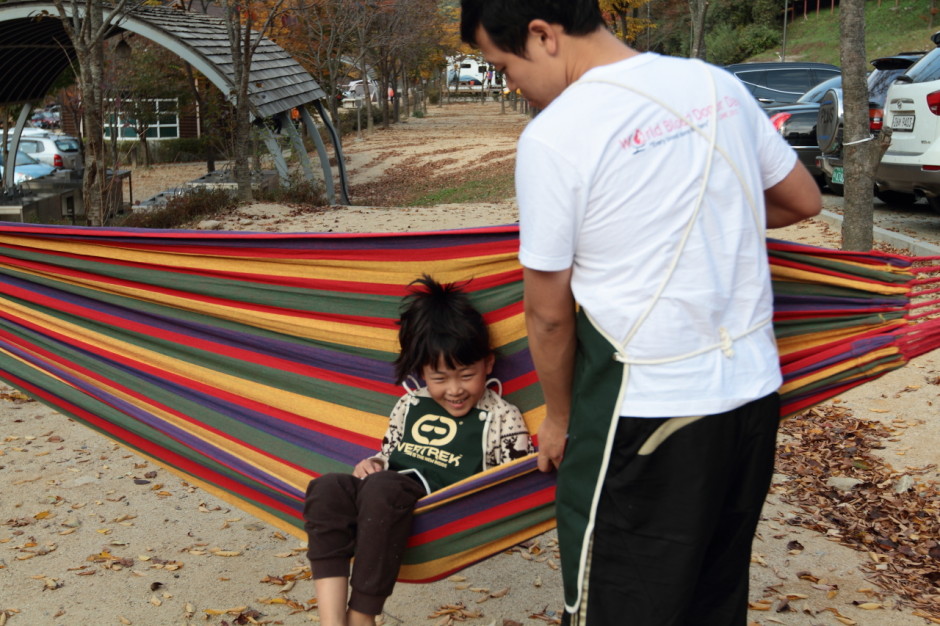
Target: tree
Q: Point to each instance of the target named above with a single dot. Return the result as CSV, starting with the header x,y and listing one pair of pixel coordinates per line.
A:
x,y
699,11
246,25
146,82
624,18
861,155
87,26
320,37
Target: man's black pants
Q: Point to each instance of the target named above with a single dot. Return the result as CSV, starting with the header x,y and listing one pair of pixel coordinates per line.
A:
x,y
680,504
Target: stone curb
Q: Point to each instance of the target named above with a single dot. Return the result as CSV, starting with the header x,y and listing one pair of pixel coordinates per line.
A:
x,y
914,247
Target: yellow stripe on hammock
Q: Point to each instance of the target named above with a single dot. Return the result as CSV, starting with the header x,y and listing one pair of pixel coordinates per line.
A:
x,y
838,368
804,276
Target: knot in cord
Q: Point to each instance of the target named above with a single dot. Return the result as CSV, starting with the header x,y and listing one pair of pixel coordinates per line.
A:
x,y
727,342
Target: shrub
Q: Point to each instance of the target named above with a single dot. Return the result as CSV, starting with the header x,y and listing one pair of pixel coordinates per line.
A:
x,y
184,209
167,150
297,191
727,44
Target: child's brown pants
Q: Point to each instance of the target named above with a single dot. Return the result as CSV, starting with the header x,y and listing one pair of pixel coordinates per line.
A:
x,y
369,519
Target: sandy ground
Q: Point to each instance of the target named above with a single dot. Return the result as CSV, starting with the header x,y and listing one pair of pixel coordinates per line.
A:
x,y
93,534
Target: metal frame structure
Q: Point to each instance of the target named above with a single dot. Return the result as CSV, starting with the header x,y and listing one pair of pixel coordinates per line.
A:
x,y
36,50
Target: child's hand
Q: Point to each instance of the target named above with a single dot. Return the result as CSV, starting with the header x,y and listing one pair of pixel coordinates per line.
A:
x,y
367,466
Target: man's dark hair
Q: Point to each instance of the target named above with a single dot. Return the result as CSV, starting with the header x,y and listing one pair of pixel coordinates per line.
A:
x,y
438,322
507,21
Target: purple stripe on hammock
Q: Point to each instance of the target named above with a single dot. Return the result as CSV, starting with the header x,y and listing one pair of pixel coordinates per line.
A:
x,y
510,366
280,489
798,248
855,349
826,390
792,300
340,450
245,240
499,473
492,496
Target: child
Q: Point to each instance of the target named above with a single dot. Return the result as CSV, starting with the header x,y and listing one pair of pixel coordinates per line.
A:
x,y
433,440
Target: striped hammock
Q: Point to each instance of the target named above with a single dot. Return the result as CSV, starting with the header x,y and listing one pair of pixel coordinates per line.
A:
x,y
250,362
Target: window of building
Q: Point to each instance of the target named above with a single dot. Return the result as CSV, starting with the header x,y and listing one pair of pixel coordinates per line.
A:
x,y
161,115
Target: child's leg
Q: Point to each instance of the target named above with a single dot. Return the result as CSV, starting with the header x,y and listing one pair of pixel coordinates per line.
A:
x,y
331,600
330,512
386,504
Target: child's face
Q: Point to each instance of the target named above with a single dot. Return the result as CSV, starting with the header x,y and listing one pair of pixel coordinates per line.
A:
x,y
458,390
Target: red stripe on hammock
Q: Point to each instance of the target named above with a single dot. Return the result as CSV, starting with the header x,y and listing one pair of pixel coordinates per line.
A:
x,y
491,514
180,381
829,272
477,284
160,453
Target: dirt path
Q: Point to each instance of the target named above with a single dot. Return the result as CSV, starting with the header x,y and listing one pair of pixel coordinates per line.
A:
x,y
93,534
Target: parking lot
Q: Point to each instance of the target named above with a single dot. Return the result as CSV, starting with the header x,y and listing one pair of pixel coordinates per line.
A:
x,y
918,221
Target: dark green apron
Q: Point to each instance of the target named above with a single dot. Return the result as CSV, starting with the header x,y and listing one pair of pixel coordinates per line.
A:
x,y
442,448
595,411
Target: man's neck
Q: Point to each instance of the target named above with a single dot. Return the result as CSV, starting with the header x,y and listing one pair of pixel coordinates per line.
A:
x,y
599,48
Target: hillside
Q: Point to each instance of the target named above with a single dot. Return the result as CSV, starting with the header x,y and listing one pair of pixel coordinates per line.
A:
x,y
892,26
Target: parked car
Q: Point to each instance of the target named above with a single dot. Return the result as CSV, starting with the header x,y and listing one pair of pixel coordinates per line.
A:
x,y
60,151
357,89
796,122
27,168
47,119
781,81
886,71
911,166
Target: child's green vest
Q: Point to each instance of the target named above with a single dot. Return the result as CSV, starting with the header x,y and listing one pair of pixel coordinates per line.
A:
x,y
443,449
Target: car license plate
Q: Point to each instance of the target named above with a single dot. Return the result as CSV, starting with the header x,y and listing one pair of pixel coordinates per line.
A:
x,y
902,122
838,175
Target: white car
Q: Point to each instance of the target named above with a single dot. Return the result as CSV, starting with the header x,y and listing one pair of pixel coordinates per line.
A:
x,y
60,151
911,166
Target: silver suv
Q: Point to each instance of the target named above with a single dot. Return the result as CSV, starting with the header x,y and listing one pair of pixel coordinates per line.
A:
x,y
911,166
60,151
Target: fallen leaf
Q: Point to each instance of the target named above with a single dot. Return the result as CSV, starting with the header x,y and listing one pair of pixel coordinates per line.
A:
x,y
227,552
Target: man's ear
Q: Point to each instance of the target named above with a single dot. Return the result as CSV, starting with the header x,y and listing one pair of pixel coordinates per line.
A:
x,y
545,34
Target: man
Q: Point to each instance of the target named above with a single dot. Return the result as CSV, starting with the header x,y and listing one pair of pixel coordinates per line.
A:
x,y
644,188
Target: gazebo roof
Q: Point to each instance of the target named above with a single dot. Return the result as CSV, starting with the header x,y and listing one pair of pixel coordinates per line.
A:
x,y
36,51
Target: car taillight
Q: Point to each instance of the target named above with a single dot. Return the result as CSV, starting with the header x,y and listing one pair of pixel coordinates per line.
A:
x,y
933,102
930,168
57,161
778,120
876,118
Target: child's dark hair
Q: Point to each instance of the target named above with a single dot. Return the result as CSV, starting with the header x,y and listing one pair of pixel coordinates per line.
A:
x,y
439,322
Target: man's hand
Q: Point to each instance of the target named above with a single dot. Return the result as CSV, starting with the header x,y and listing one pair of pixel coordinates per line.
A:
x,y
552,440
367,466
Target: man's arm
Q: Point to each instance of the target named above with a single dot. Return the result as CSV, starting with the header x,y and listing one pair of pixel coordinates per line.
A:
x,y
550,320
793,199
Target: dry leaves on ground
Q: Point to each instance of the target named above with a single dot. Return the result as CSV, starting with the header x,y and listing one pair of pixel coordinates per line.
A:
x,y
892,515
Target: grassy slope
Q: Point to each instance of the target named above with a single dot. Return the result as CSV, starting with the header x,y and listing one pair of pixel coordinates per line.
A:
x,y
889,30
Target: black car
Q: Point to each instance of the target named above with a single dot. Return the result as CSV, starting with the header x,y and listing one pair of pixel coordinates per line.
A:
x,y
781,81
796,122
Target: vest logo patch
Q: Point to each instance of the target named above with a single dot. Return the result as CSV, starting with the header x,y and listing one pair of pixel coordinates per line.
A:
x,y
434,430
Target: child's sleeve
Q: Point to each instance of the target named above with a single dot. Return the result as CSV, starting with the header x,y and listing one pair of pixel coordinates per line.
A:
x,y
514,440
393,434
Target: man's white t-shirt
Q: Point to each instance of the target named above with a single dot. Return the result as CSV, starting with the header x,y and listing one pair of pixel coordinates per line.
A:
x,y
607,181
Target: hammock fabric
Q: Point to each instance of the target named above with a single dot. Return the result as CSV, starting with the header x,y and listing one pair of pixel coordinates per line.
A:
x,y
250,362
